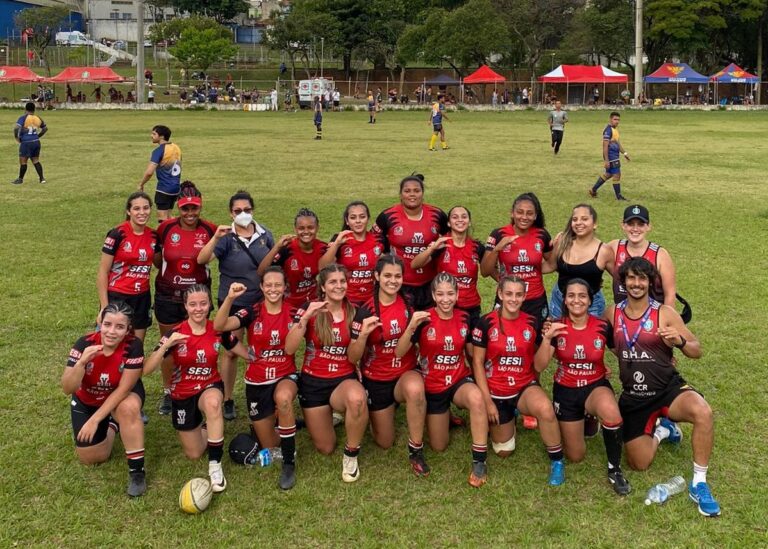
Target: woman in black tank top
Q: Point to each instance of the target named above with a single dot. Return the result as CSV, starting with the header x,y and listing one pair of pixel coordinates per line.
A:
x,y
580,254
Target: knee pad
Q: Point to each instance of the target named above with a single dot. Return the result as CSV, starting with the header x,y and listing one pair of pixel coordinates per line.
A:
x,y
508,446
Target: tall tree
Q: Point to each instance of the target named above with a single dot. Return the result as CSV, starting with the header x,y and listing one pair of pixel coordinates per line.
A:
x,y
199,49
220,10
40,26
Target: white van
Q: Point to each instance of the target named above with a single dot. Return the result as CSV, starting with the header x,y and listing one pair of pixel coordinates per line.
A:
x,y
309,89
72,38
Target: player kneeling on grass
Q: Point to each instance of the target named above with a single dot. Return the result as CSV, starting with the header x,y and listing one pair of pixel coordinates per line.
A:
x,y
505,342
196,386
103,375
443,336
645,333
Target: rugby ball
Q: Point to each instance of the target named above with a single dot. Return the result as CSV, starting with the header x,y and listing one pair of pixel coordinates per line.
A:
x,y
195,496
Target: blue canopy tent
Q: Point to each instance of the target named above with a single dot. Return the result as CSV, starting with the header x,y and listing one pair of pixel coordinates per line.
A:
x,y
733,74
676,73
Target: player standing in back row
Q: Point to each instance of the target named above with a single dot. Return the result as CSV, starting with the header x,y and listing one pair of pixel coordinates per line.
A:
x,y
436,116
557,119
612,150
166,163
27,132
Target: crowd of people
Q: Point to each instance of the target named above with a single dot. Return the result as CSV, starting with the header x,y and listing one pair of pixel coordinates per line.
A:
x,y
389,314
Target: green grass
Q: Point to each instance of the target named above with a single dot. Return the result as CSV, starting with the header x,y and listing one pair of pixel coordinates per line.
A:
x,y
701,175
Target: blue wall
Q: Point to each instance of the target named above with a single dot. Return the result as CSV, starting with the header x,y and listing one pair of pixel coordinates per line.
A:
x,y
248,35
9,8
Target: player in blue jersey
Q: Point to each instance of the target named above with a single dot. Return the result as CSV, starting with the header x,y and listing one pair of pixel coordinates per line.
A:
x,y
612,151
27,132
317,107
436,116
166,163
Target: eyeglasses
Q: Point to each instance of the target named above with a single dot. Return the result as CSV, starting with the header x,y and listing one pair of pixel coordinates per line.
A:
x,y
190,208
238,211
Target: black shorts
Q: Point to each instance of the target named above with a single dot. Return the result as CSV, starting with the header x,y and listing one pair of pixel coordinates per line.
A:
x,y
81,413
437,127
640,415
260,399
538,308
507,406
438,403
419,297
316,391
141,305
186,414
29,149
474,315
569,401
165,201
167,311
335,103
381,394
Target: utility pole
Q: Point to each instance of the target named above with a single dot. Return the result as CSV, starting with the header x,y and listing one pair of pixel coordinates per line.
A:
x,y
638,48
140,52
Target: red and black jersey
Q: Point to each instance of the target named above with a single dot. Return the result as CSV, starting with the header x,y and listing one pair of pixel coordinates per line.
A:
x,y
579,353
132,258
510,345
379,362
523,257
301,270
103,373
646,366
180,248
651,253
359,258
407,238
266,341
195,360
326,361
464,264
442,350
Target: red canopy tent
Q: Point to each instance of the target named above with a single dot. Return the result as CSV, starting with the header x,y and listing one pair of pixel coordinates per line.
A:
x,y
18,74
87,75
583,74
484,75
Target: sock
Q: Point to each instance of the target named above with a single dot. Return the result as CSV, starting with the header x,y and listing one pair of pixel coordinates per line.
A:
x,y
555,452
617,189
661,433
22,170
432,141
288,443
413,447
612,438
444,144
699,473
319,132
479,453
135,460
39,169
114,426
598,183
370,119
351,451
215,449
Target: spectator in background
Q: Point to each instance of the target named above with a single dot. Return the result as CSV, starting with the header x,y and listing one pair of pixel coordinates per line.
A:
x,y
148,76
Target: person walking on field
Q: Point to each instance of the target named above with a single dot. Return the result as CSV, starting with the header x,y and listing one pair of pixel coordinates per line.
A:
x,y
557,120
612,150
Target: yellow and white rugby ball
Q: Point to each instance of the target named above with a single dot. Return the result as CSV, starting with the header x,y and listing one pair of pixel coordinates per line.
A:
x,y
195,496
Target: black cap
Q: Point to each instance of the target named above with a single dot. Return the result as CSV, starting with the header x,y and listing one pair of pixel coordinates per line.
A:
x,y
637,212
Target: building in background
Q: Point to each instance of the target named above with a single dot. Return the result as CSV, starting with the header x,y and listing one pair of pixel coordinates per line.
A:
x,y
9,8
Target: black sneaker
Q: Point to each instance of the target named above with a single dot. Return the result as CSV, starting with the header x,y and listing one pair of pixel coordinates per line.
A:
x,y
17,181
229,410
165,405
621,197
138,484
592,193
419,464
620,484
144,418
287,476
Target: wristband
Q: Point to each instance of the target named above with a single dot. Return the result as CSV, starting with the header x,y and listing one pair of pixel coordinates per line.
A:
x,y
682,343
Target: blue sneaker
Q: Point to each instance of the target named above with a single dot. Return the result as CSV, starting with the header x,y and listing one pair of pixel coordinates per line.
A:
x,y
556,473
701,495
675,434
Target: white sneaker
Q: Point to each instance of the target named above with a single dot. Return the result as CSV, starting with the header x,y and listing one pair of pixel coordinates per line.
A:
x,y
218,482
349,469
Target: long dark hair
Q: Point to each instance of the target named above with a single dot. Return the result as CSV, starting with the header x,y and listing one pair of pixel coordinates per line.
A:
x,y
568,235
383,261
353,204
533,199
135,196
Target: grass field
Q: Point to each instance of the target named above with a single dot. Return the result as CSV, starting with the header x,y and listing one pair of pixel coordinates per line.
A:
x,y
701,175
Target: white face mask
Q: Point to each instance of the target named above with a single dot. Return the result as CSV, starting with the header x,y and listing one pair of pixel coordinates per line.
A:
x,y
243,219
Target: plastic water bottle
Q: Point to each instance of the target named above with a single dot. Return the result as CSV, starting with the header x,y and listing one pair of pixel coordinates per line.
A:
x,y
268,455
665,490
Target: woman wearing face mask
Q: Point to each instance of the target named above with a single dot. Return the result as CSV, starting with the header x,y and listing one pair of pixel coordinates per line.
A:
x,y
181,239
197,392
299,256
271,382
443,336
240,248
405,230
126,261
356,249
388,379
459,255
103,377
